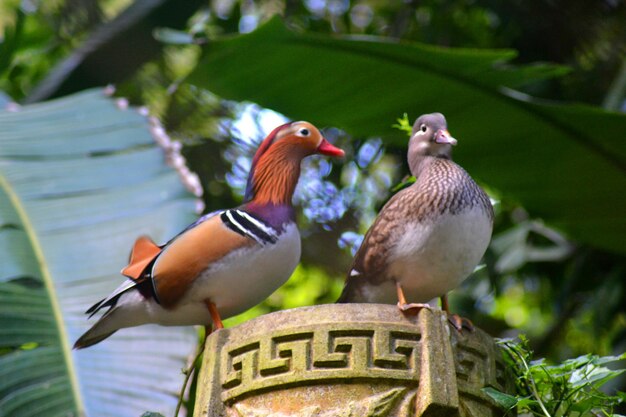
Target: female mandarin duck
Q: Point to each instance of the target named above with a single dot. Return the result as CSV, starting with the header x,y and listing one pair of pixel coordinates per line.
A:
x,y
430,236
227,261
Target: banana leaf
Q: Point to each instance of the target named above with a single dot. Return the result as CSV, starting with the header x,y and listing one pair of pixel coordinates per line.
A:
x,y
80,179
565,164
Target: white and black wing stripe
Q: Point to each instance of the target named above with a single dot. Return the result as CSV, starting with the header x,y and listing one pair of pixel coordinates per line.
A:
x,y
241,222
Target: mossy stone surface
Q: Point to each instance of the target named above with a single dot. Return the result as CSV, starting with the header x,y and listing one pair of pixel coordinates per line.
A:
x,y
348,360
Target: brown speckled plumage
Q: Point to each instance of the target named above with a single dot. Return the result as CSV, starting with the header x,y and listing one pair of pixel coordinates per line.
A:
x,y
442,188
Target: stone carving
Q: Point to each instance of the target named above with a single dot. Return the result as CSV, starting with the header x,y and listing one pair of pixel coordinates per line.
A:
x,y
375,406
320,353
348,360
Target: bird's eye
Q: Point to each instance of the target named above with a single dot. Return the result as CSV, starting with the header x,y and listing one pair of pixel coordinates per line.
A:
x,y
423,128
304,132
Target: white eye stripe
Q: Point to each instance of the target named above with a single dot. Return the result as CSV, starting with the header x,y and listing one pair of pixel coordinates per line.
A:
x,y
423,129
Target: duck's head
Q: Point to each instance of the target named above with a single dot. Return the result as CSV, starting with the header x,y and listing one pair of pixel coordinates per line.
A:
x,y
277,161
430,137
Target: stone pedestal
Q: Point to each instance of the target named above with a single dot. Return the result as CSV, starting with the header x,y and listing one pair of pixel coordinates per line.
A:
x,y
348,360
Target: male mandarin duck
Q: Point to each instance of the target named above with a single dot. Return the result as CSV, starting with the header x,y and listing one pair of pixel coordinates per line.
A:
x,y
227,261
428,237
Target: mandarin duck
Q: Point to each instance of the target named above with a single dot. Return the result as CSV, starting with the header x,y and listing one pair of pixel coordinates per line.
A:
x,y
225,262
429,236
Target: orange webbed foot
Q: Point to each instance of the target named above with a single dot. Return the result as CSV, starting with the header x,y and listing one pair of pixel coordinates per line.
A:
x,y
411,308
455,320
408,308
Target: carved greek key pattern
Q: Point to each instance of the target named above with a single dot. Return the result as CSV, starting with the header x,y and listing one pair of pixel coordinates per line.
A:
x,y
320,353
477,366
472,365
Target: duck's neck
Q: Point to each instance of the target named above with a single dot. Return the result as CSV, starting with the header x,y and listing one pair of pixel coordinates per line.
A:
x,y
419,163
271,186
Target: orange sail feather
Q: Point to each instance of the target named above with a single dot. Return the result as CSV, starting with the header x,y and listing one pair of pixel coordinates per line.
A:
x,y
144,251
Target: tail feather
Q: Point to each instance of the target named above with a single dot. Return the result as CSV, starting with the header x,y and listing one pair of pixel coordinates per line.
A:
x,y
349,294
94,308
113,298
103,328
90,339
126,308
351,285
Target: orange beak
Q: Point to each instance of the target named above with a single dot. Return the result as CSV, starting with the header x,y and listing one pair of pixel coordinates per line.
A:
x,y
326,148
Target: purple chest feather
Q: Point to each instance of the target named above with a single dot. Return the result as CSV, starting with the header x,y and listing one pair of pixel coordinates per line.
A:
x,y
275,216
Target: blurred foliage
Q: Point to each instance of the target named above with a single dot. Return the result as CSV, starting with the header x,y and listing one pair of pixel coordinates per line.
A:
x,y
569,298
309,285
506,141
38,34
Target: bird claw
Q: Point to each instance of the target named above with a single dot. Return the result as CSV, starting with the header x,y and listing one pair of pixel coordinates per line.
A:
x,y
459,323
412,308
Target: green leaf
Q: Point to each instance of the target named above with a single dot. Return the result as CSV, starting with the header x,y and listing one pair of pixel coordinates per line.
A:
x,y
563,163
504,400
526,404
603,360
406,182
404,124
80,179
595,377
572,386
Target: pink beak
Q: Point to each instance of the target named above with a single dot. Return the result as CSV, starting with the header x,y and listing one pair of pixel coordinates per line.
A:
x,y
443,136
326,148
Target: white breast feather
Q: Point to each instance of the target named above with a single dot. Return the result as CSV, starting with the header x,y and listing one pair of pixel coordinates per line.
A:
x,y
432,258
248,276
